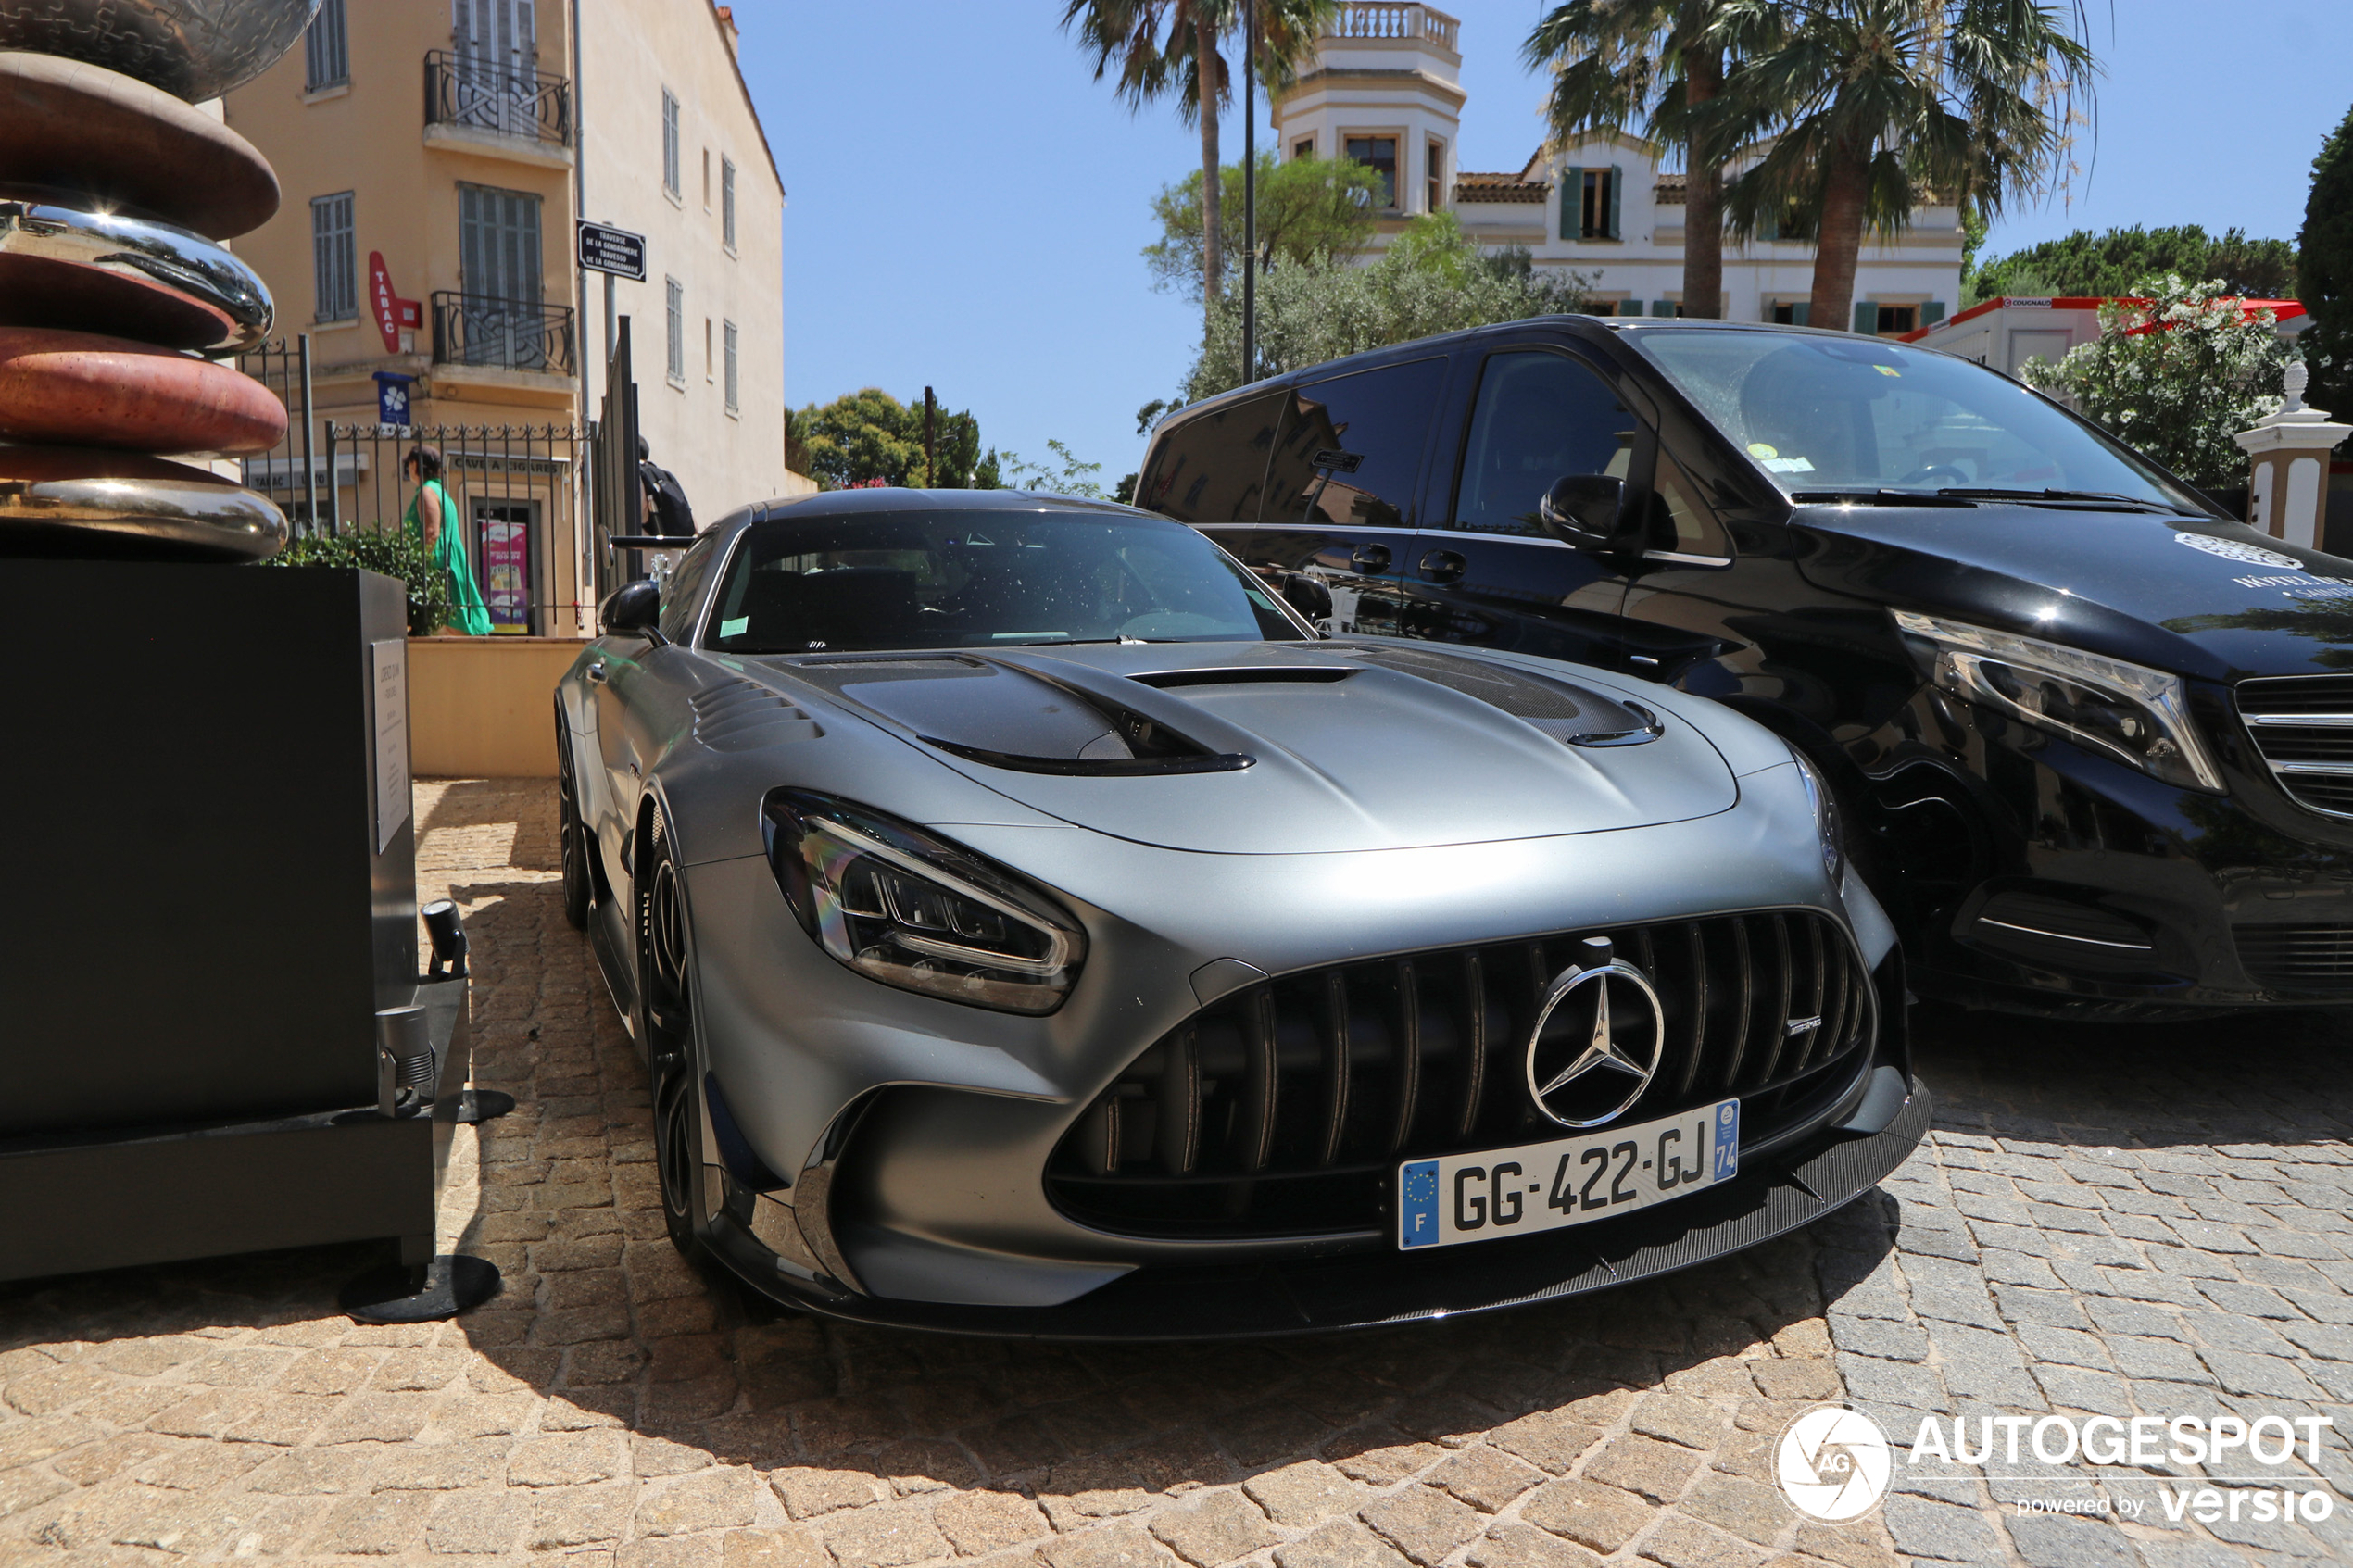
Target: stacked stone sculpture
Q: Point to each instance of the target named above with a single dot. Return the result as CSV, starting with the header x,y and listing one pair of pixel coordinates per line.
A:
x,y
118,298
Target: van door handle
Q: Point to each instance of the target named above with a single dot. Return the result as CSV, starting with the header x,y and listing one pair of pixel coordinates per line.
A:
x,y
1370,557
595,673
1443,566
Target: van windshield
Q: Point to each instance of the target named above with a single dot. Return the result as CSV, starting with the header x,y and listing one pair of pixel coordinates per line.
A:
x,y
1824,413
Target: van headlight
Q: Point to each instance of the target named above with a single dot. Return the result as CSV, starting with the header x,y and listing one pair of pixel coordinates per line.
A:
x,y
1827,825
2127,711
897,905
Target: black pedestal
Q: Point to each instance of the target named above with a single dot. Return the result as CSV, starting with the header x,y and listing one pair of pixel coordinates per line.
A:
x,y
210,893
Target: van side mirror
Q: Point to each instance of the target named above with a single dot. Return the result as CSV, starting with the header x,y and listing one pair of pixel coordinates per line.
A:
x,y
632,609
1307,595
1589,511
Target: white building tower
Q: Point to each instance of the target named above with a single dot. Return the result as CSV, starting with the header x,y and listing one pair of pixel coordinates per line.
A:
x,y
1384,90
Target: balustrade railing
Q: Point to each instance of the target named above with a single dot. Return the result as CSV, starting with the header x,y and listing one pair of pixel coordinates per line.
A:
x,y
1395,18
515,334
509,100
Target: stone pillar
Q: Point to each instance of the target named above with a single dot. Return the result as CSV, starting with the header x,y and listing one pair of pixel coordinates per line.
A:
x,y
2288,490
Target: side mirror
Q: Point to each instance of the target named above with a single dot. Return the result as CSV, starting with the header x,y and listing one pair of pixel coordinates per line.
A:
x,y
632,609
1307,595
1589,511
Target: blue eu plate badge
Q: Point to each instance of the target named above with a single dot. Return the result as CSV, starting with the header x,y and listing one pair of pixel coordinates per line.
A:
x,y
1419,1189
1728,1139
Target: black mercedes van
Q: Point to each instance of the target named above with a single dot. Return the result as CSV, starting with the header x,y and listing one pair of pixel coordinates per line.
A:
x,y
2093,740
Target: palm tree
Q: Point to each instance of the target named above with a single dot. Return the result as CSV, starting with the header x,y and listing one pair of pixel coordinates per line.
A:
x,y
1655,63
1158,47
1874,106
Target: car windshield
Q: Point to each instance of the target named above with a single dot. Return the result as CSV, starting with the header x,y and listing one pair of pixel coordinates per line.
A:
x,y
964,579
1824,413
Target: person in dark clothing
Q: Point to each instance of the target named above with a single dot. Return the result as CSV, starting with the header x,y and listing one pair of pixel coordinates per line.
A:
x,y
667,514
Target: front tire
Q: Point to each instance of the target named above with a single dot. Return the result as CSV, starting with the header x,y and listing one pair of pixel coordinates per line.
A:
x,y
579,882
665,1019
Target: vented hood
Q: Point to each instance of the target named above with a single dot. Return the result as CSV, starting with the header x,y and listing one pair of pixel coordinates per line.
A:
x,y
1256,748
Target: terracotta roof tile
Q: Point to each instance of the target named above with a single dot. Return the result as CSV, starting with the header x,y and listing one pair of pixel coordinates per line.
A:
x,y
1470,187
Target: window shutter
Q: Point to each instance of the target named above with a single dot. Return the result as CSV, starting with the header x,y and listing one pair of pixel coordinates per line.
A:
x,y
1769,226
1572,203
1866,317
1617,184
1662,308
1801,313
1931,313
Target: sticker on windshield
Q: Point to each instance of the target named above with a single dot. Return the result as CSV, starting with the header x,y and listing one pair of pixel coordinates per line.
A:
x,y
1762,449
2231,549
735,626
1788,465
1887,370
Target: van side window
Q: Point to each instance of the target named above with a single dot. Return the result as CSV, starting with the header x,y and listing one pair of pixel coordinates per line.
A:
x,y
685,587
1540,417
1209,468
1681,521
1350,447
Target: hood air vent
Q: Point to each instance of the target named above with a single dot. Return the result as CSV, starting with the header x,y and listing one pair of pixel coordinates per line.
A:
x,y
740,716
1572,715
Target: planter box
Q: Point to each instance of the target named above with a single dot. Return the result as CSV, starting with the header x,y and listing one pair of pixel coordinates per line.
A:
x,y
483,708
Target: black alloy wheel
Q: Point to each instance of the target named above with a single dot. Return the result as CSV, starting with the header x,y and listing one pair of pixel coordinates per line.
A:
x,y
579,886
667,1030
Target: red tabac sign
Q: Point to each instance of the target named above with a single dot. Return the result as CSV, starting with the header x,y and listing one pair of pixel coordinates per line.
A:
x,y
392,311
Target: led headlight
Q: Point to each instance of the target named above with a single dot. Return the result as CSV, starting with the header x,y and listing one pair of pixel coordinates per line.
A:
x,y
901,906
1827,825
2127,711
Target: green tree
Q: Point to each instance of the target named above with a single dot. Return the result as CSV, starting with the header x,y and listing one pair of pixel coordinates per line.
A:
x,y
1072,477
1160,48
1306,208
2325,271
869,437
2176,377
1866,109
1432,280
1656,66
2108,264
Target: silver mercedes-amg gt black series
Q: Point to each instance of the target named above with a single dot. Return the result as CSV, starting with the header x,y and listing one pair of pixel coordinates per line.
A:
x,y
1034,927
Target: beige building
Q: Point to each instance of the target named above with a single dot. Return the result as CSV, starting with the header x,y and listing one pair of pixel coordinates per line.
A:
x,y
435,155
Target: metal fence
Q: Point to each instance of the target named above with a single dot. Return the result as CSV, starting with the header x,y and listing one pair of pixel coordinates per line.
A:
x,y
518,491
518,334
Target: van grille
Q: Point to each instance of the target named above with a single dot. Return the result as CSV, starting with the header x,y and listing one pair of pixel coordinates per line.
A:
x,y
1281,1110
2303,727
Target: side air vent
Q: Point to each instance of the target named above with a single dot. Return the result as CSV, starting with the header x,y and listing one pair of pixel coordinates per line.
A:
x,y
740,716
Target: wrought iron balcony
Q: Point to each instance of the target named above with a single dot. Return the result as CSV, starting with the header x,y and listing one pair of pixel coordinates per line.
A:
x,y
505,100
513,335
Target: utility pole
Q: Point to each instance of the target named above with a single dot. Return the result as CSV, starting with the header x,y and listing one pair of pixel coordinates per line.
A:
x,y
1250,190
931,410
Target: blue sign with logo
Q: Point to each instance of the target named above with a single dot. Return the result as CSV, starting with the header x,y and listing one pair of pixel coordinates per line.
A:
x,y
1728,1140
392,398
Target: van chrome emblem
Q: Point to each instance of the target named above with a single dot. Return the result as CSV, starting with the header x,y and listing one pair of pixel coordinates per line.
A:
x,y
1597,1040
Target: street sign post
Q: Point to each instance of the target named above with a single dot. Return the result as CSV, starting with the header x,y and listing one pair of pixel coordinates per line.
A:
x,y
614,251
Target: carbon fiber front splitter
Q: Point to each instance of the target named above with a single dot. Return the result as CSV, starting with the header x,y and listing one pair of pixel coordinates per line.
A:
x,y
1249,1300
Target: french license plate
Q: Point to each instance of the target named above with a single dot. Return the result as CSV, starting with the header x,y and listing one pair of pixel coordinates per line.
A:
x,y
1542,1186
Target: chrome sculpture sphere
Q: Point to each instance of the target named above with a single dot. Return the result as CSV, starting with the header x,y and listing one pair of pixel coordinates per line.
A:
x,y
193,49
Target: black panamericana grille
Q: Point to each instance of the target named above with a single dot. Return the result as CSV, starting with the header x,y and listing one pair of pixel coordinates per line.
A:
x,y
1281,1110
2303,727
2298,958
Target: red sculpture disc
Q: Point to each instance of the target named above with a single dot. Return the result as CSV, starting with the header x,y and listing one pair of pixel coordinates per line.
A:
x,y
84,390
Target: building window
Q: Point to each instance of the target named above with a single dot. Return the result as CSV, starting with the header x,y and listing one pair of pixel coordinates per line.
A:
x,y
325,50
1379,155
706,178
709,368
331,263
674,293
498,243
1894,319
728,201
1436,176
669,141
734,399
1792,313
1303,147
1588,202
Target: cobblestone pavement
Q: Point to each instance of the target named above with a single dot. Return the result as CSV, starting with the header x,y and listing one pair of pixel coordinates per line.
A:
x,y
2104,1222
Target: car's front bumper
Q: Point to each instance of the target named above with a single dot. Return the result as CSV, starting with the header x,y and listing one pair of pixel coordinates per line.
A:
x,y
1294,1295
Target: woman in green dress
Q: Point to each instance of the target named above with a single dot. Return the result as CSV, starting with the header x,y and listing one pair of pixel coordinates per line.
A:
x,y
443,535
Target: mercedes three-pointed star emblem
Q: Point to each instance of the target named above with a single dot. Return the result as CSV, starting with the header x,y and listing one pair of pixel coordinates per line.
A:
x,y
1591,1055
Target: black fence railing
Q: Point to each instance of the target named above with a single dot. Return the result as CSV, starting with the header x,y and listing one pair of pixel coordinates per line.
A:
x,y
514,334
289,473
517,493
508,100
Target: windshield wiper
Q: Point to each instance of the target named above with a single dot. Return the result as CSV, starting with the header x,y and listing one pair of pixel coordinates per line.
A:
x,y
1884,497
2109,498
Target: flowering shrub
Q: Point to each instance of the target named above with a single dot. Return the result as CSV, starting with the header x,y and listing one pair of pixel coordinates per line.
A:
x,y
2174,373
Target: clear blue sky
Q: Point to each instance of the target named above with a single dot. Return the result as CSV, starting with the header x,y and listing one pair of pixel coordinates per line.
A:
x,y
966,203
